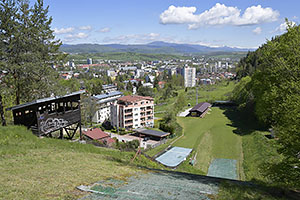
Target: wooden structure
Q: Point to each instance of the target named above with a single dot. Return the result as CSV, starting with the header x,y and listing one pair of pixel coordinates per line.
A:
x,y
200,110
44,116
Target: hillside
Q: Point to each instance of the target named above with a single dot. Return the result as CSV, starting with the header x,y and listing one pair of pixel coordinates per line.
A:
x,y
44,168
154,47
126,56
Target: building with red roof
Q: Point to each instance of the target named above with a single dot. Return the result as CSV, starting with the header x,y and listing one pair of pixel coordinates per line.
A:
x,y
99,135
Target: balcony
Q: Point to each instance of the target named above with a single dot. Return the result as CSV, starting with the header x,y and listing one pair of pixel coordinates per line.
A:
x,y
129,122
128,117
128,111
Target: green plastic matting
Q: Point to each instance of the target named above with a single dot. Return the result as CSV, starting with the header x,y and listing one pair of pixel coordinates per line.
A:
x,y
155,185
223,168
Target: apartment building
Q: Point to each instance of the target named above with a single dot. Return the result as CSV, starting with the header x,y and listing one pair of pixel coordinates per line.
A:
x,y
189,75
104,102
131,112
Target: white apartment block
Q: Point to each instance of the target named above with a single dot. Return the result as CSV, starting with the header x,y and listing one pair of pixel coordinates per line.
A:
x,y
104,102
189,75
131,112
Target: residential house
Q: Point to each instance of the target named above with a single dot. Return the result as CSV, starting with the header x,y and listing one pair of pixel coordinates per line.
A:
x,y
98,135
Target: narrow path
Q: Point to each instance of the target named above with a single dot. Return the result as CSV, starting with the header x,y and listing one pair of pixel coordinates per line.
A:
x,y
241,169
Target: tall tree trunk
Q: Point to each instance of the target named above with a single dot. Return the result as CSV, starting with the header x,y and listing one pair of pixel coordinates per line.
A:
x,y
2,112
17,94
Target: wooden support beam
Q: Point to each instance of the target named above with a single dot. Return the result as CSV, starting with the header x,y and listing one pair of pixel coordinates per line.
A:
x,y
61,134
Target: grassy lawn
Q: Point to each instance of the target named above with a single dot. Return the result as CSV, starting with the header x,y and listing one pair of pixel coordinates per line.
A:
x,y
257,150
205,93
211,137
35,168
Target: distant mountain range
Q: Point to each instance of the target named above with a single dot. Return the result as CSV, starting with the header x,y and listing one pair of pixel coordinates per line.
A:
x,y
153,47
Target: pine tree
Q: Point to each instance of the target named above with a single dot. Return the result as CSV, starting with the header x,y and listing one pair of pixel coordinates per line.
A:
x,y
28,49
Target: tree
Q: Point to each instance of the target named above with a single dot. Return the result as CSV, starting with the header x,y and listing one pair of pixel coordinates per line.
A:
x,y
275,89
89,109
129,86
28,49
71,85
93,86
145,91
180,102
242,93
2,112
155,82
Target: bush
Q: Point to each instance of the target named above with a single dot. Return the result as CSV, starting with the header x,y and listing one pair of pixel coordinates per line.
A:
x,y
128,146
107,125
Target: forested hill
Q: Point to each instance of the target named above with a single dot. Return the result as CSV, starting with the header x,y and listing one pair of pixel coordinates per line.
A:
x,y
270,85
154,47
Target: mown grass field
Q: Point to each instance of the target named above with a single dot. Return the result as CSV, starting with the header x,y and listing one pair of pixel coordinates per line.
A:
x,y
211,137
209,93
35,168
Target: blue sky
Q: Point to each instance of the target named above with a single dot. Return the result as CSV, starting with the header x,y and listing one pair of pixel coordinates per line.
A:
x,y
239,23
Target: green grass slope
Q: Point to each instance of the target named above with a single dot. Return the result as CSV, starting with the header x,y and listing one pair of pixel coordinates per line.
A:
x,y
44,168
211,137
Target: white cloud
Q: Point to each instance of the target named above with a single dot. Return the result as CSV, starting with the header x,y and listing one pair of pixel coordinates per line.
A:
x,y
63,30
104,30
282,27
219,14
85,28
72,37
257,30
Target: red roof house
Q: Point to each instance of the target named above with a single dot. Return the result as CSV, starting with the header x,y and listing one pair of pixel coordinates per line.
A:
x,y
98,134
95,134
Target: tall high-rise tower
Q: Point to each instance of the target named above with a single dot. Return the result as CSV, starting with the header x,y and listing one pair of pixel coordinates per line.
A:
x,y
189,75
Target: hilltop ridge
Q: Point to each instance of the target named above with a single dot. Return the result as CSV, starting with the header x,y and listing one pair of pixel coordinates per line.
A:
x,y
153,47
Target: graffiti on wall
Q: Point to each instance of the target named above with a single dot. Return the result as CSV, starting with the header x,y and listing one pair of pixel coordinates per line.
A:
x,y
53,124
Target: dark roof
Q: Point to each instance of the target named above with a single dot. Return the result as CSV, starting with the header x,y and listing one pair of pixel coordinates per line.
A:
x,y
152,132
95,134
38,101
201,107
